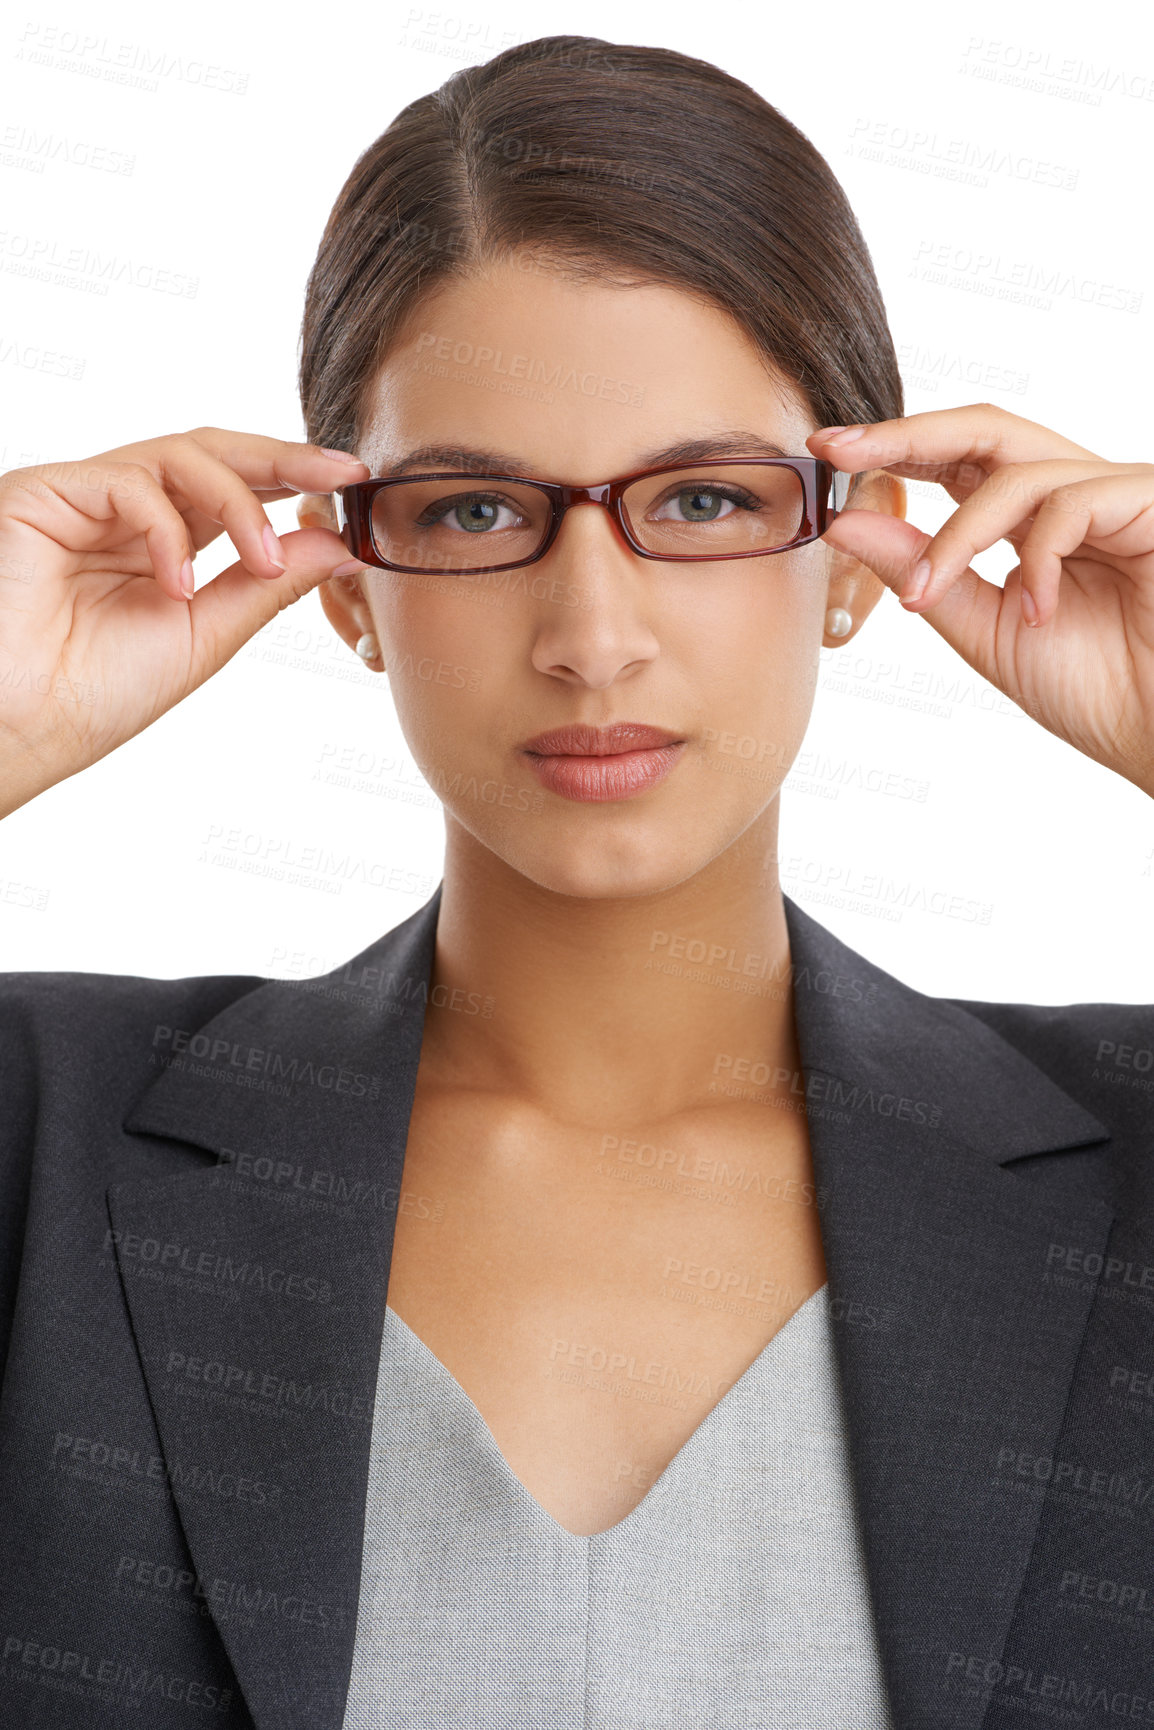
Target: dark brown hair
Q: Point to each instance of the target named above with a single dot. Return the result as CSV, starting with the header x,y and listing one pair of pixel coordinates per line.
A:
x,y
632,163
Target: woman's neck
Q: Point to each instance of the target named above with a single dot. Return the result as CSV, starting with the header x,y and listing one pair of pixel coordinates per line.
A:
x,y
642,1006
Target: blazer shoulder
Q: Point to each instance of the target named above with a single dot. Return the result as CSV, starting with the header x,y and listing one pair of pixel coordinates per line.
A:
x,y
1063,1026
75,1050
1101,1054
80,1042
93,1008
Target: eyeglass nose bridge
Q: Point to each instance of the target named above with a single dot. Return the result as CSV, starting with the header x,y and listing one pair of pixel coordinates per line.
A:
x,y
607,494
599,495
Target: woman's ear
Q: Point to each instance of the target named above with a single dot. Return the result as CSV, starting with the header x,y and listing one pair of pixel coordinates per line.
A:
x,y
347,611
853,587
342,598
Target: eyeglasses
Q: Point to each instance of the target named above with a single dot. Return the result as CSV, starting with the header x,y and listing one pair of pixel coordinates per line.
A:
x,y
684,513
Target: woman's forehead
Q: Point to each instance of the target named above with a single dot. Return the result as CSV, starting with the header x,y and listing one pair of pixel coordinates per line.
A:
x,y
562,372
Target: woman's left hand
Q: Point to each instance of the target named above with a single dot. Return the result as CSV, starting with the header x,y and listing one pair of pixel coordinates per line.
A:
x,y
1083,530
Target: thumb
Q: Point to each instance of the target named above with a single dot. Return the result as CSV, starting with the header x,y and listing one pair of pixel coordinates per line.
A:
x,y
966,615
231,608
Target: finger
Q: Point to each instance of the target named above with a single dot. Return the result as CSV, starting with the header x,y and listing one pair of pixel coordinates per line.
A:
x,y
980,437
231,608
1113,513
278,466
1000,509
74,504
966,615
271,468
215,489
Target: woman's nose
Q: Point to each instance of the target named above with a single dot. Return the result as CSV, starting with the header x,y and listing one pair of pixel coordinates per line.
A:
x,y
596,622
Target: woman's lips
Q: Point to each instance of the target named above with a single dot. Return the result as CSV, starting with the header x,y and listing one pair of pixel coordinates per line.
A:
x,y
602,763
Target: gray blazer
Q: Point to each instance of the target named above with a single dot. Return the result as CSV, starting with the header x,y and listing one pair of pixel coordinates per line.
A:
x,y
200,1179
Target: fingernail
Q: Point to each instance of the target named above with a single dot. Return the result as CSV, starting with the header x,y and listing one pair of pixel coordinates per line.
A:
x,y
843,435
273,548
342,456
825,432
348,569
1029,607
187,586
916,583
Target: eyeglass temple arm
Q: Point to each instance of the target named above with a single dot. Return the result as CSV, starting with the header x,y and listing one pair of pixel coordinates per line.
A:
x,y
838,492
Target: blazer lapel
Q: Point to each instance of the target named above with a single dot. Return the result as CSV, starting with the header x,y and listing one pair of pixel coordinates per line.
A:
x,y
260,1333
259,1324
956,1350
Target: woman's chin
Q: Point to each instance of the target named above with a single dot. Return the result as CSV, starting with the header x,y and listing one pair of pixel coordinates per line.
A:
x,y
591,872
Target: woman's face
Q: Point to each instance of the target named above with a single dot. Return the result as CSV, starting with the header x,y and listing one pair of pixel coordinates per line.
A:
x,y
580,382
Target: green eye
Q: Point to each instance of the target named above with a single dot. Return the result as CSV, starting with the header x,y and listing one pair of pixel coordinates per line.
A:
x,y
473,514
700,506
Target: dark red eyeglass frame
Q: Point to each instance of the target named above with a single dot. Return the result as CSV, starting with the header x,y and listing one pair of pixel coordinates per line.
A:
x,y
820,481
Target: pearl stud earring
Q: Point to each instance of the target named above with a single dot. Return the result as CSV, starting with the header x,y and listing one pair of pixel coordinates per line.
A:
x,y
367,647
838,623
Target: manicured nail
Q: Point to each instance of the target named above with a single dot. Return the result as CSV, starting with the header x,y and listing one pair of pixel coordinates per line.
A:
x,y
1029,607
273,549
825,432
348,569
916,582
342,456
187,586
844,434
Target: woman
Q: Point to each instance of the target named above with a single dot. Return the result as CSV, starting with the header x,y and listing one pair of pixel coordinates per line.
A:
x,y
766,1342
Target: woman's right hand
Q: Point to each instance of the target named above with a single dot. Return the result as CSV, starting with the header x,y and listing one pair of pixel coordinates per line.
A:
x,y
97,637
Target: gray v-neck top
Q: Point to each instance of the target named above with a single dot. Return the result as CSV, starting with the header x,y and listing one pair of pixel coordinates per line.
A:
x,y
734,1594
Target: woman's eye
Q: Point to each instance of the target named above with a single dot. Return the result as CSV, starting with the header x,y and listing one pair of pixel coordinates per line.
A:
x,y
695,505
471,512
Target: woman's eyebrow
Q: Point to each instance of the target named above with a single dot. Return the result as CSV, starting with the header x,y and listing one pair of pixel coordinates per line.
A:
x,y
486,461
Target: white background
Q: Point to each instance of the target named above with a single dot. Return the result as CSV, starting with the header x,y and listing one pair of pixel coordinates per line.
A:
x,y
948,130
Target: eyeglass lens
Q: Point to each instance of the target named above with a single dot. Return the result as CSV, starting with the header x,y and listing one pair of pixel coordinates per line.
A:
x,y
711,511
